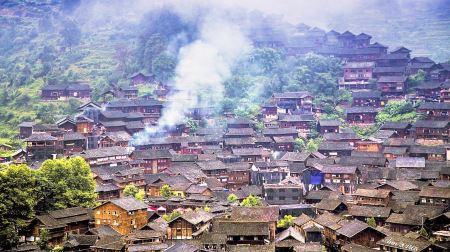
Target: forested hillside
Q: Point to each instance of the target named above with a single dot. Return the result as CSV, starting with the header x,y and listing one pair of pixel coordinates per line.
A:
x,y
58,41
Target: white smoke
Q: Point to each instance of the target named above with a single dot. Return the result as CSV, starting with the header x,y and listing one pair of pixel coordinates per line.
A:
x,y
202,68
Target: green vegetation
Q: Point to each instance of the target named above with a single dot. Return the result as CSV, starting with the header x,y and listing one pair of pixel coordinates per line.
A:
x,y
232,198
371,222
132,191
57,184
286,221
397,111
165,191
171,216
251,201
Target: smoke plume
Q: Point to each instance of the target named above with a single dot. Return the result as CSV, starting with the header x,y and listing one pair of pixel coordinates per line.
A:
x,y
202,68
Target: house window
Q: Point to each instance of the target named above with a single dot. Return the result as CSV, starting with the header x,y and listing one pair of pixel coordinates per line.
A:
x,y
97,222
133,221
282,198
98,212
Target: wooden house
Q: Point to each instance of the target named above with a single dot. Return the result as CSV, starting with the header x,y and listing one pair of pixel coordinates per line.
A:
x,y
292,101
394,242
189,225
412,217
115,138
284,143
386,71
401,129
139,78
303,123
361,115
269,111
357,75
73,143
124,215
329,148
240,123
372,197
420,63
151,109
288,191
345,178
335,206
369,145
308,228
252,154
367,99
432,153
240,132
280,132
154,161
328,126
358,232
59,224
106,156
429,91
25,129
63,92
42,145
444,95
363,213
392,85
238,175
436,196
271,172
431,131
435,110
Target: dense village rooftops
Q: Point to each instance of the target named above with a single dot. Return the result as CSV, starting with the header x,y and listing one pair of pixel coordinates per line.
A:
x,y
240,132
329,220
250,152
340,136
363,36
356,64
333,146
431,124
372,193
329,204
366,94
40,136
234,121
106,152
329,123
279,131
196,217
284,139
429,85
152,154
295,156
338,169
410,162
358,110
120,103
396,125
297,118
389,69
60,218
348,51
401,185
392,79
73,136
352,228
240,141
435,192
435,105
255,214
403,243
352,160
393,56
241,228
423,149
209,131
370,211
291,95
129,204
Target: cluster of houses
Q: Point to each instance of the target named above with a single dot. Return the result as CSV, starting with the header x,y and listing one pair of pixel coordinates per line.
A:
x,y
388,192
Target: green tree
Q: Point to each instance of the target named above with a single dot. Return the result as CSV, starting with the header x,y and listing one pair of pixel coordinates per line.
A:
x,y
192,125
313,144
130,190
299,144
165,191
43,239
423,232
251,201
397,111
171,216
66,183
266,59
416,79
163,66
17,191
232,198
286,221
71,34
371,222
